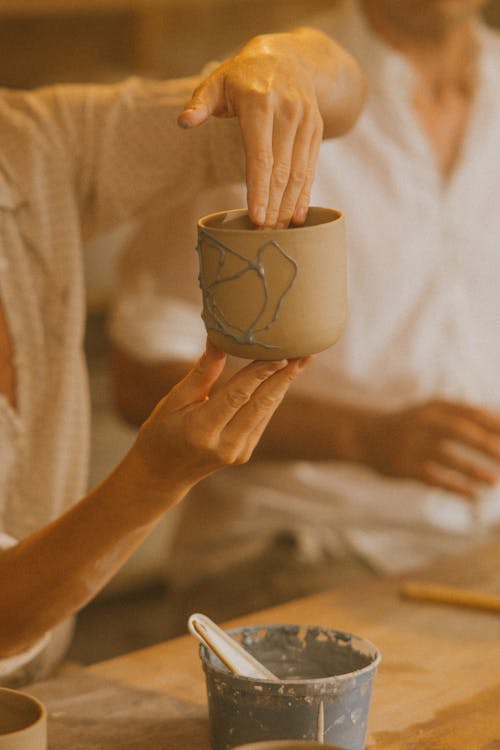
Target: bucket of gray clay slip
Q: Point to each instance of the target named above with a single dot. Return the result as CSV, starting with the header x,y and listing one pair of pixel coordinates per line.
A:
x,y
323,689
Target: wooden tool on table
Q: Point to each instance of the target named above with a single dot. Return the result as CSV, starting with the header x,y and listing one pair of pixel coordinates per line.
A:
x,y
450,595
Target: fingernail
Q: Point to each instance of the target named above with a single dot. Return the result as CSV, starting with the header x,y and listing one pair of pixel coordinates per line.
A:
x,y
190,117
182,122
259,215
300,215
299,364
278,364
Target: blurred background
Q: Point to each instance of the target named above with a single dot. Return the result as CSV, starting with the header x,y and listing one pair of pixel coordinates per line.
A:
x,y
51,41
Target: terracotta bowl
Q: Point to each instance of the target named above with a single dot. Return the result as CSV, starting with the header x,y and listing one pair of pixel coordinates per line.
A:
x,y
23,721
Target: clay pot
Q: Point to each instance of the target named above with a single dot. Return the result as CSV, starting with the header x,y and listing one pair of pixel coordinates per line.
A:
x,y
23,721
273,293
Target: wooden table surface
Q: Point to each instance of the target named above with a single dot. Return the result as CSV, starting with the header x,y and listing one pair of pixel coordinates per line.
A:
x,y
438,686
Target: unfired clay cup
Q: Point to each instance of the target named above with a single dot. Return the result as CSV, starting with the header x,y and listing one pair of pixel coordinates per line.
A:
x,y
23,721
273,293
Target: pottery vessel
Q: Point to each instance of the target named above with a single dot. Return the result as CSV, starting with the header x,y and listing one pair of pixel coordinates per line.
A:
x,y
273,293
23,721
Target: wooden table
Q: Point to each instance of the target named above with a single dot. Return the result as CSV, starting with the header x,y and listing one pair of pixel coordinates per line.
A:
x,y
438,687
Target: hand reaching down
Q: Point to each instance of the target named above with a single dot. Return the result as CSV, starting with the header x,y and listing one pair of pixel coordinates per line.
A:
x,y
287,90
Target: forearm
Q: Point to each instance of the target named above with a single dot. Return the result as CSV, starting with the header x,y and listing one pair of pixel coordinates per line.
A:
x,y
119,148
317,431
195,430
57,570
339,81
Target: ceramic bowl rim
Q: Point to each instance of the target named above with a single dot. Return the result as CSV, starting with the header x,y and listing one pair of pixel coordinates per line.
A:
x,y
26,698
333,679
204,221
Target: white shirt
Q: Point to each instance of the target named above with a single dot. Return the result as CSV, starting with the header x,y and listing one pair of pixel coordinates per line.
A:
x,y
424,317
73,159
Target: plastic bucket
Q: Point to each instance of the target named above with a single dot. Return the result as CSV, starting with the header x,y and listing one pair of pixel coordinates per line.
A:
x,y
323,691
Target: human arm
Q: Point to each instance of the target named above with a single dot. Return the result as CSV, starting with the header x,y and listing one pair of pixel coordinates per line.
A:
x,y
119,150
55,571
288,91
444,444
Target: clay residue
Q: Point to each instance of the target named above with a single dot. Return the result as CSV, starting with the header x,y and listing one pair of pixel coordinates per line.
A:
x,y
294,653
469,725
267,313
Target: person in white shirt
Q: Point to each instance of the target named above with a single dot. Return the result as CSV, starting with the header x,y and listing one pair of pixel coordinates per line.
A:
x,y
387,449
75,160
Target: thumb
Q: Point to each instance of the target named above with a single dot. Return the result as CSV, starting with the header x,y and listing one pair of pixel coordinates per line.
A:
x,y
207,99
198,383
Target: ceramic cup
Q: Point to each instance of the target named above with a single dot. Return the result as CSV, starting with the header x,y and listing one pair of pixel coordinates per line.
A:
x,y
273,293
288,745
23,721
323,690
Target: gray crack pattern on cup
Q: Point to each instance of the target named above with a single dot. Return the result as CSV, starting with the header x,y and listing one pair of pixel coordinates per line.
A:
x,y
211,288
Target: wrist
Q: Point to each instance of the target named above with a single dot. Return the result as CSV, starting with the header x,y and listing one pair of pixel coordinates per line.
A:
x,y
374,435
139,484
339,82
361,436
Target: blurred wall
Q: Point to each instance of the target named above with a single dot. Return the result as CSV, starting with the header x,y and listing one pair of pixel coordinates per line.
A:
x,y
88,41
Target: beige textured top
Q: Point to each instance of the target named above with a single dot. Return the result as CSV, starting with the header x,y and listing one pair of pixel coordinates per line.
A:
x,y
75,160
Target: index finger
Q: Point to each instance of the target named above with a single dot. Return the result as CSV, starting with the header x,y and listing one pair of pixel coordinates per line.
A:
x,y
252,419
235,394
486,418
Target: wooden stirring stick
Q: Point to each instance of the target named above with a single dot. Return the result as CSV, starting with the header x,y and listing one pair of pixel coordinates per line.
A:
x,y
450,595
